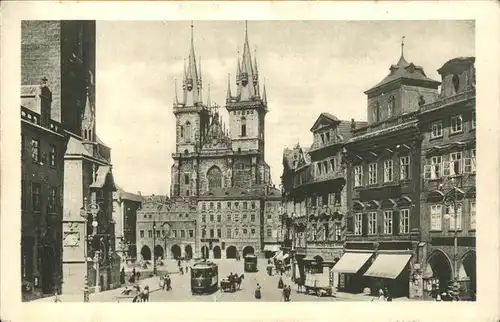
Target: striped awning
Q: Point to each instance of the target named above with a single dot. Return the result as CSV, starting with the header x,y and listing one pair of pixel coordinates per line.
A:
x,y
351,263
388,265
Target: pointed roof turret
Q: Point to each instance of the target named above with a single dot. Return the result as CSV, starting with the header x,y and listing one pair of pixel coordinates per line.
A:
x,y
192,80
264,94
228,96
255,69
176,100
405,71
209,103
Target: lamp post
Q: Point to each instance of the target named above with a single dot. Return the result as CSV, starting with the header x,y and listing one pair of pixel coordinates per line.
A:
x,y
451,200
88,210
158,206
95,224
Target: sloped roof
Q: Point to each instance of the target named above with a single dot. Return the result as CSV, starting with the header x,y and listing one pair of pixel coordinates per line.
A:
x,y
404,70
120,193
75,146
325,116
456,60
98,140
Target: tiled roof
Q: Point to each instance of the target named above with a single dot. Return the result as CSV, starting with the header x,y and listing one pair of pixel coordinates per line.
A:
x,y
391,129
406,70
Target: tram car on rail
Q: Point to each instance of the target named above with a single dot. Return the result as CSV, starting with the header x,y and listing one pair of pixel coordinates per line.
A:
x,y
250,263
204,277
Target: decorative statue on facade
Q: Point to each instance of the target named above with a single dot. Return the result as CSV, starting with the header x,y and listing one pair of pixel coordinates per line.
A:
x,y
421,101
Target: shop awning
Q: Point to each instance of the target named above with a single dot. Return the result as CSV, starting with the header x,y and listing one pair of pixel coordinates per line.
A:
x,y
271,248
351,262
388,265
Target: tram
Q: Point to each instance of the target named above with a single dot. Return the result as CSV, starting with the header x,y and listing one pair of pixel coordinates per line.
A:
x,y
250,263
204,277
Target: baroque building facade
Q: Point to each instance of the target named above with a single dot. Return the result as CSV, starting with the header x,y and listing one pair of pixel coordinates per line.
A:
x,y
384,183
448,168
315,198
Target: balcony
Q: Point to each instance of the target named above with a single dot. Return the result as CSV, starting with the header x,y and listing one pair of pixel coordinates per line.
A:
x,y
450,100
326,209
317,145
331,175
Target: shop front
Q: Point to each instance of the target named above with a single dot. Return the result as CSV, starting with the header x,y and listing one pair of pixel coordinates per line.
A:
x,y
351,268
390,271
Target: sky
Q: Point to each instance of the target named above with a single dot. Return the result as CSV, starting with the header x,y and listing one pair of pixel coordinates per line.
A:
x,y
309,67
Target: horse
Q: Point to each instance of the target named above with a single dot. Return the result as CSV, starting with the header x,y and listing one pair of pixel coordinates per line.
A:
x,y
300,284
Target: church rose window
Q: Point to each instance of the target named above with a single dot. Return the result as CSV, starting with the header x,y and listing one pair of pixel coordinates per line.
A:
x,y
214,176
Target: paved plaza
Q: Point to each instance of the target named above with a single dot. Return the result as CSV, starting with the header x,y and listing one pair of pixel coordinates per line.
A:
x,y
181,290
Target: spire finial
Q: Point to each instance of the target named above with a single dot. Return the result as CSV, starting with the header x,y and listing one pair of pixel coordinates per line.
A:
x,y
208,96
192,33
246,29
228,97
402,45
176,100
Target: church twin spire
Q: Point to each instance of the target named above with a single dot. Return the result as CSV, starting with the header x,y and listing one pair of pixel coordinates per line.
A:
x,y
247,78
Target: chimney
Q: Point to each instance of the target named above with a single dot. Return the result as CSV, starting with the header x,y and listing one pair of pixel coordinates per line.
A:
x,y
139,193
353,125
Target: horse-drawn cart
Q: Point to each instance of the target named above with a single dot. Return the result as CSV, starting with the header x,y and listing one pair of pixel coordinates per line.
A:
x,y
231,283
318,284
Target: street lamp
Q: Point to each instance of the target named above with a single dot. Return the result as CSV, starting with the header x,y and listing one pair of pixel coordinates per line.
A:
x,y
159,206
451,200
86,211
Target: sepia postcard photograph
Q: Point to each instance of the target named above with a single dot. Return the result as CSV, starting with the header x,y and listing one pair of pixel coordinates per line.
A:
x,y
250,160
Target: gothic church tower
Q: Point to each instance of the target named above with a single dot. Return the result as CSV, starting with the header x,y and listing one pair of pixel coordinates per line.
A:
x,y
192,119
247,111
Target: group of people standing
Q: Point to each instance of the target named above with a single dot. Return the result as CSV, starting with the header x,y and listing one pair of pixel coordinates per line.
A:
x,y
287,290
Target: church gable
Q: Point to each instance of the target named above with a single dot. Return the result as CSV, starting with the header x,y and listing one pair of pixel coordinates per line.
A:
x,y
216,139
323,121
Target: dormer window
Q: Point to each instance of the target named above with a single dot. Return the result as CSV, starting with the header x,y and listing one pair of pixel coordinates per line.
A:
x,y
456,83
327,136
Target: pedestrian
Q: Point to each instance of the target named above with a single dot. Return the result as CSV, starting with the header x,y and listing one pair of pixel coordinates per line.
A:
x,y
133,275
280,283
387,294
169,283
179,263
122,276
138,275
56,299
258,292
145,294
181,270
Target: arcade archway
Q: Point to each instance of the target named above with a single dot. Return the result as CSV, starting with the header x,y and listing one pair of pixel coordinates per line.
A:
x,y
441,269
231,252
146,253
248,250
176,251
468,269
188,251
204,252
159,251
217,252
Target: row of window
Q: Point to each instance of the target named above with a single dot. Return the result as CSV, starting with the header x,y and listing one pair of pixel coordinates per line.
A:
x,y
388,223
166,233
332,199
456,125
36,197
388,168
229,205
455,220
150,216
450,165
326,166
243,112
36,155
322,232
230,217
